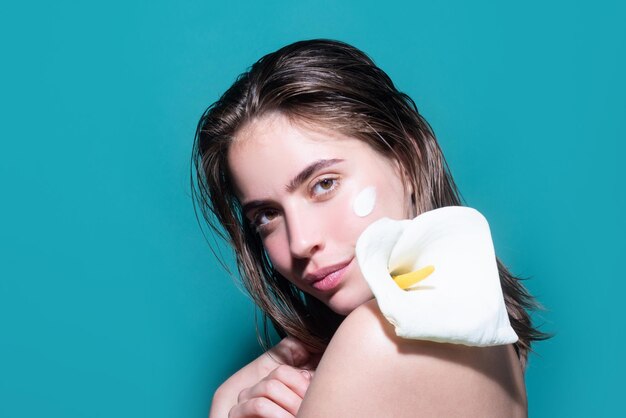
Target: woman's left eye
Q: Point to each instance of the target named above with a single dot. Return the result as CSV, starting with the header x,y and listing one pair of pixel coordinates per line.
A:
x,y
324,186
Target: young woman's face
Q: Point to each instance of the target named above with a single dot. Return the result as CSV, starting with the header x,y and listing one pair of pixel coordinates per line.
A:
x,y
310,193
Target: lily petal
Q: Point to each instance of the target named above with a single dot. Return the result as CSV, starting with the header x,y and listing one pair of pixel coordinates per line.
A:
x,y
461,301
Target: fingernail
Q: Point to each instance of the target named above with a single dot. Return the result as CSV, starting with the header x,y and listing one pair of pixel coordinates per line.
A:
x,y
306,374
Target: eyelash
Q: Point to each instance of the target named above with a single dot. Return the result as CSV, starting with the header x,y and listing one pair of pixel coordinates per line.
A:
x,y
323,193
262,227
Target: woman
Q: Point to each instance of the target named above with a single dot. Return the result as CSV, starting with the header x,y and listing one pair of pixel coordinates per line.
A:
x,y
279,159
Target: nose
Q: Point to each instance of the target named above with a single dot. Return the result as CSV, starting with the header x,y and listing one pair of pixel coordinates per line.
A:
x,y
304,232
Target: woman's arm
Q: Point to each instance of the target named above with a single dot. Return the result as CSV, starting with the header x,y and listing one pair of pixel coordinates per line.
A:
x,y
367,371
280,376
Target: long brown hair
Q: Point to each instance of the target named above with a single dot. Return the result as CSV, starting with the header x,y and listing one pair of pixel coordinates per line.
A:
x,y
332,84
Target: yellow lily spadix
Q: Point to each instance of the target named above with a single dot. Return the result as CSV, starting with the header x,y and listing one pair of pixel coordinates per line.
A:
x,y
449,252
406,280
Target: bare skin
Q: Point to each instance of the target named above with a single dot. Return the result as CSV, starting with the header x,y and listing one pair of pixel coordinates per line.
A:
x,y
403,378
367,371
273,385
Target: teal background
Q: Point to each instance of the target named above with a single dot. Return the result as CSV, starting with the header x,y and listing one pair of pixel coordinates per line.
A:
x,y
111,303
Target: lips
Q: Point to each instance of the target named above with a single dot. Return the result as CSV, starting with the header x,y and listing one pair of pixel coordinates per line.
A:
x,y
329,277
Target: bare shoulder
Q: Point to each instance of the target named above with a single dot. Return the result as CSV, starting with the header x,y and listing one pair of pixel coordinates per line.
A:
x,y
368,371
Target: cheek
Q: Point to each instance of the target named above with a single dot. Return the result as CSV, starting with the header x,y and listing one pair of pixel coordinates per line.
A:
x,y
364,202
391,199
347,217
277,248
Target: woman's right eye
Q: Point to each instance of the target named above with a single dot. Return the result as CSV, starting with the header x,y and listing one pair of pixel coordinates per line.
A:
x,y
263,218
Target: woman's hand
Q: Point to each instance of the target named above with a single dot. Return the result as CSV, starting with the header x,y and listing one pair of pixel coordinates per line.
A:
x,y
278,377
278,395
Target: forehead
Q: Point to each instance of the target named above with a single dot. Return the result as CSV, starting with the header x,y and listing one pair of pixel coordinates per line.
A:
x,y
269,152
275,149
277,131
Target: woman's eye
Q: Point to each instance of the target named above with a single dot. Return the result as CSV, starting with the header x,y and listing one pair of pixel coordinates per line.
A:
x,y
324,186
264,217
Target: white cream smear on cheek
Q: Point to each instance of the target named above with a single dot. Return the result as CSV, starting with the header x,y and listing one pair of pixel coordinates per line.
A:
x,y
364,202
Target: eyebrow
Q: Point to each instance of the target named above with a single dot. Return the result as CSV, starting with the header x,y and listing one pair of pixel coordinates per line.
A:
x,y
309,171
297,181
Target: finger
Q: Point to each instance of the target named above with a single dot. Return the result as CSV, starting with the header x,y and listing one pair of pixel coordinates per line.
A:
x,y
295,379
258,408
308,374
275,391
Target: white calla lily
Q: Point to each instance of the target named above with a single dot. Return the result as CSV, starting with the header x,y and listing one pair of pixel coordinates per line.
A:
x,y
461,301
